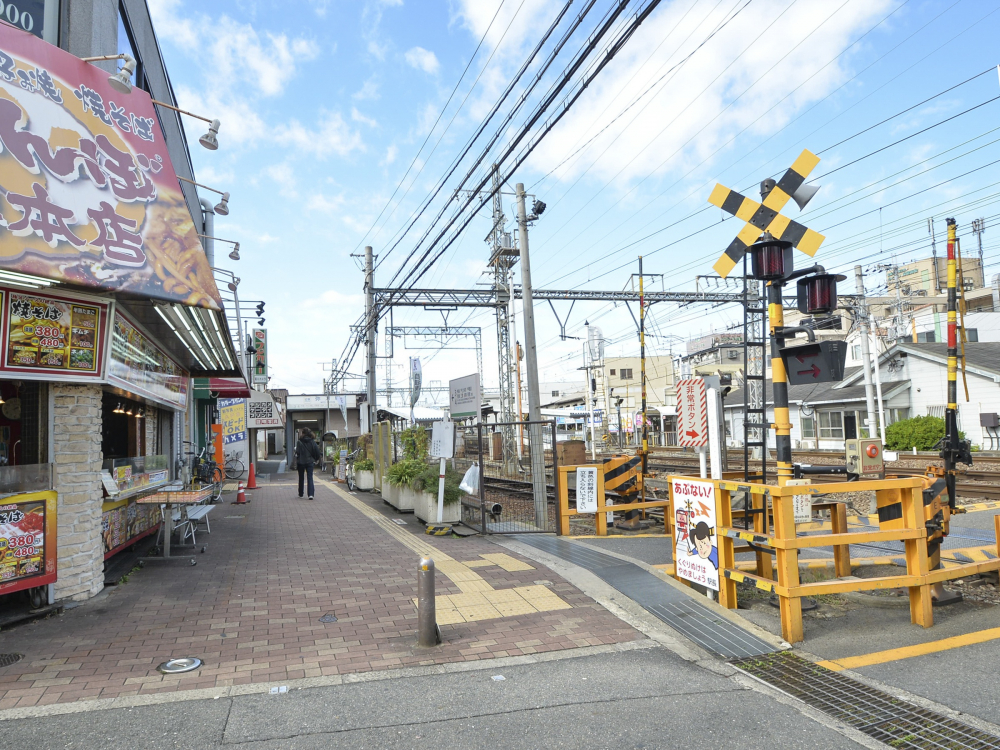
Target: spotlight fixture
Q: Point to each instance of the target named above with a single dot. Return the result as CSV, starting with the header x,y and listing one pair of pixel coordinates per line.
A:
x,y
122,80
118,409
128,411
222,207
260,322
235,254
234,283
209,140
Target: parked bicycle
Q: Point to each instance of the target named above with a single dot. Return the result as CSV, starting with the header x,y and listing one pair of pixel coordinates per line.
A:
x,y
235,468
351,458
207,472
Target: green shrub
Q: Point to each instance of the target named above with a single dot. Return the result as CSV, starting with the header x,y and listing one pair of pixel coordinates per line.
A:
x,y
404,472
428,482
415,443
922,433
364,464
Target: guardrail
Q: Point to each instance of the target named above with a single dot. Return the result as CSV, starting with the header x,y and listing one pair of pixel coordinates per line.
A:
x,y
603,507
768,515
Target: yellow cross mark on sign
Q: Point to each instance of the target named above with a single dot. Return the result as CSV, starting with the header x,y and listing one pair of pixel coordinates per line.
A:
x,y
765,217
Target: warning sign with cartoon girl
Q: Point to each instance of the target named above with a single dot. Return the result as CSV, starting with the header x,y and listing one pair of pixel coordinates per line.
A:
x,y
696,545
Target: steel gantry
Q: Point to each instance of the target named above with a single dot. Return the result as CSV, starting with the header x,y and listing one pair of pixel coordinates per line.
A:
x,y
437,299
439,336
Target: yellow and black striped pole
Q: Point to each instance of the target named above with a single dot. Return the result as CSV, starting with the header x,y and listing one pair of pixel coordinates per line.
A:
x,y
951,451
779,387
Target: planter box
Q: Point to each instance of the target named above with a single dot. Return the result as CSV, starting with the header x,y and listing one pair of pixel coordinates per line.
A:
x,y
389,492
426,508
364,480
400,498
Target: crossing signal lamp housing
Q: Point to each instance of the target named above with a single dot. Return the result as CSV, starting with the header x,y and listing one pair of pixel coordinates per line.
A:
x,y
817,294
770,259
817,362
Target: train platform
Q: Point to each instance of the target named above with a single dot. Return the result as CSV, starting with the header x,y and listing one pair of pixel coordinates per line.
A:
x,y
293,591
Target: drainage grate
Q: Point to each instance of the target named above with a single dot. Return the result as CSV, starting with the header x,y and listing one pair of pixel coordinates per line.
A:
x,y
7,659
891,720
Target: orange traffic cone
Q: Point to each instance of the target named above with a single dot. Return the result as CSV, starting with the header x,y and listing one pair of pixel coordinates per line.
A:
x,y
252,481
241,496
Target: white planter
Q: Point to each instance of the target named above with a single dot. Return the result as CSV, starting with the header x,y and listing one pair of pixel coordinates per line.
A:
x,y
407,497
389,492
364,480
426,507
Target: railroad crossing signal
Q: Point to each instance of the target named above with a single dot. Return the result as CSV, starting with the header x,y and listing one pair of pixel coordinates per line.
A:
x,y
819,362
765,217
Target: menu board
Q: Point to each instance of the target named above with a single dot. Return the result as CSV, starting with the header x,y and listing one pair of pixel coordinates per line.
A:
x,y
122,525
141,367
53,335
27,541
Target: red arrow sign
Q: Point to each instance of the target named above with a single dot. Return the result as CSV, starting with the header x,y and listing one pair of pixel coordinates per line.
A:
x,y
814,370
803,357
692,433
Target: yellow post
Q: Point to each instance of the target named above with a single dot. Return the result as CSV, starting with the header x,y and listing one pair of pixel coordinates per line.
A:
x,y
788,569
727,558
917,563
841,552
601,518
564,502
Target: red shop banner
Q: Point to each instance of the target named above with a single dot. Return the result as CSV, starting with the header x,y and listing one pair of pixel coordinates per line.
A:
x,y
88,194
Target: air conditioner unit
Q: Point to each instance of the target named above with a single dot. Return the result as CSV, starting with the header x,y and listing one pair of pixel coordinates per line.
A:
x,y
733,354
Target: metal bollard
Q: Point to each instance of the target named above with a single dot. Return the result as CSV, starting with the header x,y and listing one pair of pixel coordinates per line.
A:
x,y
427,630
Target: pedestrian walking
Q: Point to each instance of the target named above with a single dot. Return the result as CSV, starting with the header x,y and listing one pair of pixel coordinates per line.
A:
x,y
307,453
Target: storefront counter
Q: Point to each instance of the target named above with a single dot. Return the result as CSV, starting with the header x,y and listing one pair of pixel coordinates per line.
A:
x,y
27,527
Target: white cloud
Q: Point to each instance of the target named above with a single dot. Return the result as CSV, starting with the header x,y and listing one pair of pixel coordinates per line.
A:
x,y
390,155
283,176
331,136
422,59
267,238
333,299
325,204
369,90
358,117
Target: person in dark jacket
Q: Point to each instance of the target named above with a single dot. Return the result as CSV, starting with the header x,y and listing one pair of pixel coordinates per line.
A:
x,y
307,453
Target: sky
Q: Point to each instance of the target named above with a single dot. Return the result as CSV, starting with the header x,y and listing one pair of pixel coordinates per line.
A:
x,y
340,117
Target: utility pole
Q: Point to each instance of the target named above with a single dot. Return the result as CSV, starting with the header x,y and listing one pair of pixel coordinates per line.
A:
x,y
866,359
930,228
538,483
588,364
370,333
979,228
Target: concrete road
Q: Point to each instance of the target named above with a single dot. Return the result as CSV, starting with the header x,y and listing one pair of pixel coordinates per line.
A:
x,y
646,698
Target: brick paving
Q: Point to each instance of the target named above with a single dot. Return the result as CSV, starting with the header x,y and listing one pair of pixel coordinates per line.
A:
x,y
251,607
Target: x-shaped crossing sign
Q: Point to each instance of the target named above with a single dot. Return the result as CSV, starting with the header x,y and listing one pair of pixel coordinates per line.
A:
x,y
765,217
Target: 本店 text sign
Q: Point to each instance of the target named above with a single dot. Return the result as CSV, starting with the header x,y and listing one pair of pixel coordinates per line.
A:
x,y
90,195
692,413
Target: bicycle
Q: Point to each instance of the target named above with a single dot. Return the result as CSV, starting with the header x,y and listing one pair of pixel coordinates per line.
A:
x,y
351,458
235,468
207,471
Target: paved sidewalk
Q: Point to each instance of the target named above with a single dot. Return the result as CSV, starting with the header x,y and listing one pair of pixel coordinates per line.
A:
x,y
251,607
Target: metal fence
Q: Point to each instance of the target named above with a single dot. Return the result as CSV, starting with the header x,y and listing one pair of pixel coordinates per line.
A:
x,y
517,492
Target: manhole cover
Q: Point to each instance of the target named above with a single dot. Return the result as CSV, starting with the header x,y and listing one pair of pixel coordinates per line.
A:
x,y
328,618
7,659
179,666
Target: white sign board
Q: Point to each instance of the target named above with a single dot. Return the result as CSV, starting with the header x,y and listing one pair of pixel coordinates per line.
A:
x,y
442,440
696,544
464,397
692,413
802,505
262,412
586,489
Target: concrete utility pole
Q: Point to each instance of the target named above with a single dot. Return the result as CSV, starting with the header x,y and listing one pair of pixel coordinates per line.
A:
x,y
934,275
866,359
370,332
978,228
535,441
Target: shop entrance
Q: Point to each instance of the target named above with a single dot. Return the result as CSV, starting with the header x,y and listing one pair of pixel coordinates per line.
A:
x,y
24,423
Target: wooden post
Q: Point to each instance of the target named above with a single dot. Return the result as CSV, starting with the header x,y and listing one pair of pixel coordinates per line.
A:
x,y
841,552
921,604
564,502
788,567
727,558
601,518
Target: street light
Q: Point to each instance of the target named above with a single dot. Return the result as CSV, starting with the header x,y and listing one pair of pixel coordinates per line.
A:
x,y
222,207
122,80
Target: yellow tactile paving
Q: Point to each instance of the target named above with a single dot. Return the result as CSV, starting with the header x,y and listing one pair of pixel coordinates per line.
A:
x,y
506,562
477,563
478,600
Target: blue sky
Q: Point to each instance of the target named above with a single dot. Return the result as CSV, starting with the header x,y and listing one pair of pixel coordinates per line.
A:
x,y
324,105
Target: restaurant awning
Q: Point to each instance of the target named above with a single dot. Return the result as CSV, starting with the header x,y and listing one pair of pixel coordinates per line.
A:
x,y
221,388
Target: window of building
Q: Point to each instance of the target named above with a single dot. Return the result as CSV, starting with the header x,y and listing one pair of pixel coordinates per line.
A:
x,y
898,415
626,373
809,427
126,45
856,352
831,425
612,371
38,17
555,393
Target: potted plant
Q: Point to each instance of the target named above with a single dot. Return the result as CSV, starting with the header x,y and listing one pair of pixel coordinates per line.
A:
x,y
364,474
426,502
399,478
